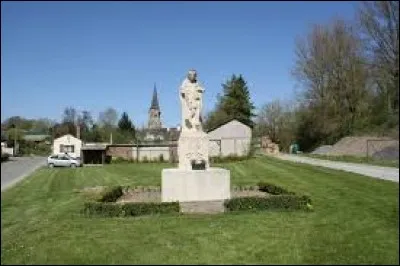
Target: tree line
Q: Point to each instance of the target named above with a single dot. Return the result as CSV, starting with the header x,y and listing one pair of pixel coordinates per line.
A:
x,y
122,130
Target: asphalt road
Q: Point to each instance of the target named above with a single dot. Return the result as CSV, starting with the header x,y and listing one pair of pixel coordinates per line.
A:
x,y
387,173
18,168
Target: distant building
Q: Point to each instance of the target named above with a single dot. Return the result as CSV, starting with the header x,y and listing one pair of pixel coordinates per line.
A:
x,y
67,144
155,133
154,112
230,138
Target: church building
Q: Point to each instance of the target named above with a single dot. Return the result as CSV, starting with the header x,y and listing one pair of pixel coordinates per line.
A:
x,y
155,132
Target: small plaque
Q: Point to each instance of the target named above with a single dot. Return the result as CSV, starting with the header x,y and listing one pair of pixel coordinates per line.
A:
x,y
198,165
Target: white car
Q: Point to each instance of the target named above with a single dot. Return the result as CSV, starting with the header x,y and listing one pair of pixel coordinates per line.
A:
x,y
63,160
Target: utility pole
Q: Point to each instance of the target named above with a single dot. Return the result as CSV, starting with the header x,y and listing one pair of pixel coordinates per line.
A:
x,y
15,139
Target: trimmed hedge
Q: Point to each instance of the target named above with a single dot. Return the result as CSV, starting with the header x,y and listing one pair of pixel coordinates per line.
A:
x,y
227,159
273,189
288,202
111,194
129,209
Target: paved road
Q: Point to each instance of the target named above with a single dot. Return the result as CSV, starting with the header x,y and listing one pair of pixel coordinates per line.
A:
x,y
17,168
387,173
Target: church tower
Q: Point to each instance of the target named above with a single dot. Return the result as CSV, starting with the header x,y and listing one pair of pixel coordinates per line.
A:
x,y
154,112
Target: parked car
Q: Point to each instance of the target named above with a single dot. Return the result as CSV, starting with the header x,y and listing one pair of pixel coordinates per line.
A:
x,y
63,160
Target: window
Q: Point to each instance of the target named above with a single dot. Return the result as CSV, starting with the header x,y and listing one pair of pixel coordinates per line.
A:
x,y
63,157
67,148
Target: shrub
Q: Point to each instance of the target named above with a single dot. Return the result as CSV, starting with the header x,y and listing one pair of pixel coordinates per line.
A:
x,y
273,189
102,209
145,160
121,160
288,202
129,209
143,208
5,157
111,194
161,158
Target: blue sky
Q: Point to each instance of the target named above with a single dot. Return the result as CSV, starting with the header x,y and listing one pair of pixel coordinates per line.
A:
x,y
94,55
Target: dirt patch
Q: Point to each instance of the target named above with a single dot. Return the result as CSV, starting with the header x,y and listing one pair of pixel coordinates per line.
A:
x,y
138,195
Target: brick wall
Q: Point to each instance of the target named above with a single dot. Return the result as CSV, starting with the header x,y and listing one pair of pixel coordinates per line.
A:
x,y
120,151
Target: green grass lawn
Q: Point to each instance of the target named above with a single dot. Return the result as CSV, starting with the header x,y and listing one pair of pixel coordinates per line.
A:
x,y
355,159
356,221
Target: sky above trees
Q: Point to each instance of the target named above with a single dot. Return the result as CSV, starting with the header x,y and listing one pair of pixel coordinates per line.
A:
x,y
94,55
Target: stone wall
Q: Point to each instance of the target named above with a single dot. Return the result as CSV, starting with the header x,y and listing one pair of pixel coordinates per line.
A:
x,y
140,152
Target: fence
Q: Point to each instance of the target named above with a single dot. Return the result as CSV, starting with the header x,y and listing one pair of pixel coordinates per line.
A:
x,y
169,152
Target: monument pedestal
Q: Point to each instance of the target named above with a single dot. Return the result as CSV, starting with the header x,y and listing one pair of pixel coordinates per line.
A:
x,y
192,148
195,185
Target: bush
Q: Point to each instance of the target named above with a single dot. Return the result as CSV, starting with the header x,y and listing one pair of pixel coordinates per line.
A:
x,y
102,209
121,160
273,189
145,160
288,202
111,194
129,209
143,208
161,158
5,157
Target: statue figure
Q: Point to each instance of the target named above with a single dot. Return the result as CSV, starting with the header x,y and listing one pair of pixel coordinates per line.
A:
x,y
191,100
193,142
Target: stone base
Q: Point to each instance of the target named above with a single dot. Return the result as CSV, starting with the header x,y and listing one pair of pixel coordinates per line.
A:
x,y
195,185
192,147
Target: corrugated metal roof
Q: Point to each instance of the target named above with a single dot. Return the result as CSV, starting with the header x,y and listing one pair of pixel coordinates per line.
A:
x,y
94,147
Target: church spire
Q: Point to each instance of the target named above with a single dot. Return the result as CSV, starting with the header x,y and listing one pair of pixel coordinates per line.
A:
x,y
154,112
154,101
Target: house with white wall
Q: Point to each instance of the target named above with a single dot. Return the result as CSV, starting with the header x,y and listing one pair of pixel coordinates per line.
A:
x,y
231,138
67,144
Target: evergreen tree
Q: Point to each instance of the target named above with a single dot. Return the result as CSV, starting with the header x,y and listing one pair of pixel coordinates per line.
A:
x,y
235,103
125,125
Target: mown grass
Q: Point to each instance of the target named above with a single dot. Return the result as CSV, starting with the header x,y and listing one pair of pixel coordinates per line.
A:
x,y
355,159
355,221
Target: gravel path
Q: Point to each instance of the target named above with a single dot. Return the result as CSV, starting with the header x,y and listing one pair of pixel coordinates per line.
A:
x,y
387,173
18,168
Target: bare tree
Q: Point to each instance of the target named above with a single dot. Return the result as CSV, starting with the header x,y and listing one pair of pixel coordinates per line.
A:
x,y
329,66
70,115
276,119
108,118
379,23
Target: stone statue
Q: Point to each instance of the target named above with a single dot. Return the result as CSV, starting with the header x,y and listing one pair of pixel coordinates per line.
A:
x,y
194,179
191,94
193,142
